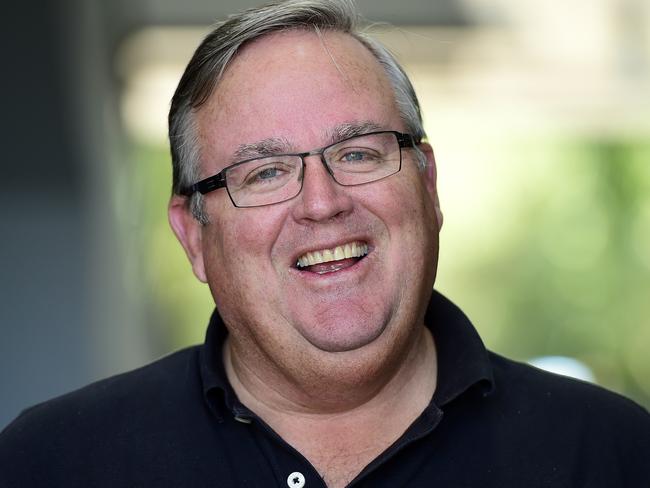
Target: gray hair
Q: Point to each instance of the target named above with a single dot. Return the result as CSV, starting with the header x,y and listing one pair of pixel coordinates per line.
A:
x,y
217,50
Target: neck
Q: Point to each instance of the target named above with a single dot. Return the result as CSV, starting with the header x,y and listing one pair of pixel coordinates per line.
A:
x,y
357,387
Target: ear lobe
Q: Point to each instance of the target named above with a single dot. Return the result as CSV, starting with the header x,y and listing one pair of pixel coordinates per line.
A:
x,y
188,232
430,177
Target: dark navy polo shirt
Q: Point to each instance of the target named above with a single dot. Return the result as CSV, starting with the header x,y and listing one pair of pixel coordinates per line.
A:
x,y
492,422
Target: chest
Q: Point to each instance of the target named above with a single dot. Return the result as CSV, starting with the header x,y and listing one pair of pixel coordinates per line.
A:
x,y
339,463
465,452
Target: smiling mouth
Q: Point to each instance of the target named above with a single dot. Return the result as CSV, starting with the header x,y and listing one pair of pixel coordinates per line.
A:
x,y
331,260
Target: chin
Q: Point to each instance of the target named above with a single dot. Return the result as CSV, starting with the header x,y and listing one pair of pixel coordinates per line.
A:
x,y
343,341
341,329
357,329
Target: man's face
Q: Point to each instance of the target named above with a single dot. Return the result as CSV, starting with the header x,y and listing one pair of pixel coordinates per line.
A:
x,y
296,91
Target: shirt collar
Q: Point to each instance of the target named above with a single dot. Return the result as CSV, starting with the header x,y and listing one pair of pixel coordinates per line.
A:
x,y
462,359
216,387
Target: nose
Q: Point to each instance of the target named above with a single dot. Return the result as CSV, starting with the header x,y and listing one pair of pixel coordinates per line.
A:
x,y
321,197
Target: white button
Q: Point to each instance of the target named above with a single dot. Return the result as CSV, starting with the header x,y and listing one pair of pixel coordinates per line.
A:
x,y
296,480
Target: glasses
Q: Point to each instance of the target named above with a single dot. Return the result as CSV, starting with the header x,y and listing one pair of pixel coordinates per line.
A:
x,y
273,179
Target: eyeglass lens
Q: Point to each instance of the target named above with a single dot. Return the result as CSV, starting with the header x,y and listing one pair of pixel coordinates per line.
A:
x,y
355,161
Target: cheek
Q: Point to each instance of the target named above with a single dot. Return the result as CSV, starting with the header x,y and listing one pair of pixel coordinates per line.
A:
x,y
230,264
405,206
410,219
243,238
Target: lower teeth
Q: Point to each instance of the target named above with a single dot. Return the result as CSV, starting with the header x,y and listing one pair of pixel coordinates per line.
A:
x,y
331,269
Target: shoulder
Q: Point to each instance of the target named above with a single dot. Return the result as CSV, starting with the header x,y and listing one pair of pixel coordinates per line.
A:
x,y
525,384
102,416
161,378
567,428
568,410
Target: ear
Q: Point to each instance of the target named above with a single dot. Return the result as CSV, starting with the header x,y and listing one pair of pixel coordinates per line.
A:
x,y
430,178
189,232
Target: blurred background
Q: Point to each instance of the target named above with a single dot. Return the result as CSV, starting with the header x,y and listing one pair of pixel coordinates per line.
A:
x,y
538,113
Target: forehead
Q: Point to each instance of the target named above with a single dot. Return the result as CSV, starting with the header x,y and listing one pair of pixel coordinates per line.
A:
x,y
295,86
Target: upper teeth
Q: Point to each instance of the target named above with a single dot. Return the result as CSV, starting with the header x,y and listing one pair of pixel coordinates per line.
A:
x,y
350,250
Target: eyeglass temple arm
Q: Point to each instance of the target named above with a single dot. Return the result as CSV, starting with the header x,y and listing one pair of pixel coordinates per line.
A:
x,y
205,186
407,140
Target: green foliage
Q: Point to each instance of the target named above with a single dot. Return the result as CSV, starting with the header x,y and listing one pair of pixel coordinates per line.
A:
x,y
571,276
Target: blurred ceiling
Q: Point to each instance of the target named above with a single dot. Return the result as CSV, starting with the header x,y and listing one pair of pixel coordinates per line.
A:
x,y
201,12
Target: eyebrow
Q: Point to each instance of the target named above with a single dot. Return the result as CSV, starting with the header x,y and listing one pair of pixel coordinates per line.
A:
x,y
263,148
279,145
346,130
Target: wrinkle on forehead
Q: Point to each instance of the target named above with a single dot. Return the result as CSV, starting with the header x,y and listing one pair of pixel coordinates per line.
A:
x,y
274,146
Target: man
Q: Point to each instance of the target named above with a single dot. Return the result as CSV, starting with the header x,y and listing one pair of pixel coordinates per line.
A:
x,y
305,197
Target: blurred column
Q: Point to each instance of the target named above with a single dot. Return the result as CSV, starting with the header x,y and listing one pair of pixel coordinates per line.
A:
x,y
65,316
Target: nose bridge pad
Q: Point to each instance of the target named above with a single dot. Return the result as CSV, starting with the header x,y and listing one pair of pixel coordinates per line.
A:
x,y
327,166
301,176
323,162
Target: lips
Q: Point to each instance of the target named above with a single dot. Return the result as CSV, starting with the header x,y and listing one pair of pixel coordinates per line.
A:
x,y
329,260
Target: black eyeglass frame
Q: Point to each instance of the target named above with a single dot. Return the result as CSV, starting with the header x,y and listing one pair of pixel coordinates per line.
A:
x,y
217,181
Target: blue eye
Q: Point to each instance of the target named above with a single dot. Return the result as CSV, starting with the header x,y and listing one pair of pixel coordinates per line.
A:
x,y
267,174
359,157
354,156
270,175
